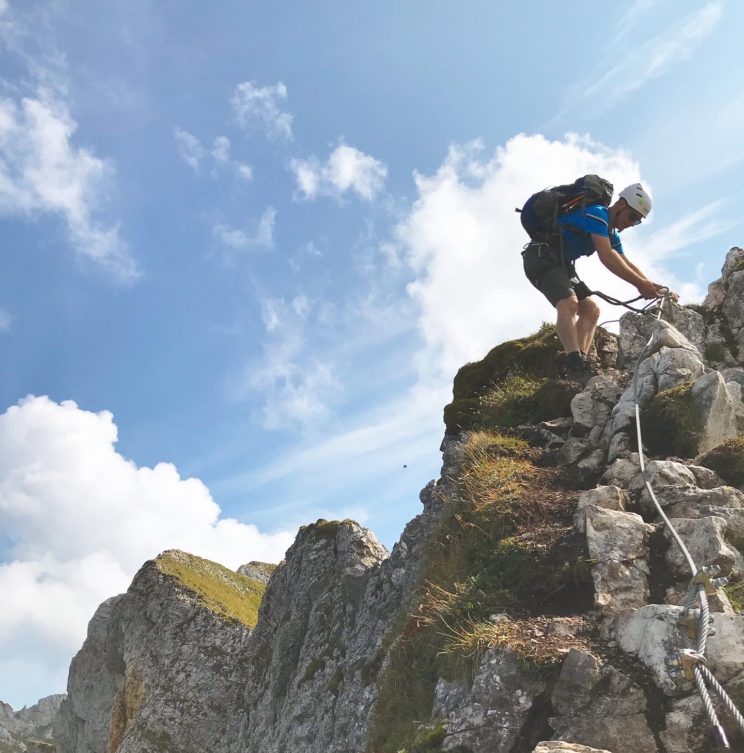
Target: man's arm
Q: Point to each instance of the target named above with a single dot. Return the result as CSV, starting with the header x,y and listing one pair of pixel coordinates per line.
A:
x,y
621,267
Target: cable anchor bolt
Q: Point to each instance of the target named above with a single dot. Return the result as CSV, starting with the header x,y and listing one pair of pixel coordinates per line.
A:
x,y
689,659
689,622
705,577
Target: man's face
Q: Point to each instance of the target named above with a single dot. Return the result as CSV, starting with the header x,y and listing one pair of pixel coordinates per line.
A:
x,y
626,216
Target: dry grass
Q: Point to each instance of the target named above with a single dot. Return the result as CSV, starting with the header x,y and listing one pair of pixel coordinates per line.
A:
x,y
504,545
539,641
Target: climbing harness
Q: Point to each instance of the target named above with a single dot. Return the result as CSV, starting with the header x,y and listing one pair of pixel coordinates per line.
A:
x,y
688,662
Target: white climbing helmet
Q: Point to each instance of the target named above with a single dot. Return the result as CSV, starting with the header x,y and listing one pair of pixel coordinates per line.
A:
x,y
637,198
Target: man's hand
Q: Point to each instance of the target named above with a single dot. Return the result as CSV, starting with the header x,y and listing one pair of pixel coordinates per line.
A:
x,y
648,290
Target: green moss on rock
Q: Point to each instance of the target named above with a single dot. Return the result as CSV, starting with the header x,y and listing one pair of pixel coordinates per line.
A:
x,y
672,423
325,529
534,356
229,594
727,460
518,382
715,352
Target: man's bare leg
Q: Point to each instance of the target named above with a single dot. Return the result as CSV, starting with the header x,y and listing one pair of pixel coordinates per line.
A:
x,y
588,312
568,309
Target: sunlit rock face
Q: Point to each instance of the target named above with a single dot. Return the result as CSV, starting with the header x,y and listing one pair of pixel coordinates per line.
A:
x,y
532,606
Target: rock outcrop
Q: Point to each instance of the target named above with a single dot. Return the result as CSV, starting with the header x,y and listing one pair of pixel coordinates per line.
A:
x,y
532,606
30,728
163,665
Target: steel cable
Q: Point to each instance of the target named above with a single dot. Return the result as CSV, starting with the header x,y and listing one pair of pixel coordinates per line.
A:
x,y
700,670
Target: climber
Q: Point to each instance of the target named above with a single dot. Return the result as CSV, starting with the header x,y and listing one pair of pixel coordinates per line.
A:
x,y
594,225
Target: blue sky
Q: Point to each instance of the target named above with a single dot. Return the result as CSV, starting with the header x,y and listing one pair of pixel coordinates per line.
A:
x,y
246,247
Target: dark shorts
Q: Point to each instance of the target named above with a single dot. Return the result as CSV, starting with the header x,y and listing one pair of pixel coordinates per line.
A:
x,y
544,270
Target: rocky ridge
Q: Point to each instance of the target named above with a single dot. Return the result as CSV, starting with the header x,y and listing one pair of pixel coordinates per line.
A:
x,y
29,729
531,606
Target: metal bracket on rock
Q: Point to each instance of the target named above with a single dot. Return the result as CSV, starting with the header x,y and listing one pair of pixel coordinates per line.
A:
x,y
689,623
705,577
684,662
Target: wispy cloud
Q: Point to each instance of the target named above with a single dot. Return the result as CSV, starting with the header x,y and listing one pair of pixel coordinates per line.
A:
x,y
255,105
296,384
629,20
613,80
262,237
189,148
346,170
5,321
42,171
217,158
221,149
707,222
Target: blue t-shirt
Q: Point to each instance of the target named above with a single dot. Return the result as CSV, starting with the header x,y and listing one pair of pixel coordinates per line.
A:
x,y
594,218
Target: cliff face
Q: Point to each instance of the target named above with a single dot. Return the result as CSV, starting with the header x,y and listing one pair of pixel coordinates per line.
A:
x,y
30,728
532,605
163,665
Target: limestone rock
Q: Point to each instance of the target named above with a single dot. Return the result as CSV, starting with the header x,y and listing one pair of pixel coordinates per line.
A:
x,y
726,647
677,498
717,409
622,471
650,633
260,571
618,543
19,730
687,727
715,297
496,708
591,408
151,659
606,497
598,705
705,478
705,540
677,366
640,334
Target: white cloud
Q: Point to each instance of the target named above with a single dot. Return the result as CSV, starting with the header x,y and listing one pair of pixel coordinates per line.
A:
x,y
80,519
245,172
189,148
347,169
263,237
5,321
261,105
41,171
194,154
463,241
613,80
221,149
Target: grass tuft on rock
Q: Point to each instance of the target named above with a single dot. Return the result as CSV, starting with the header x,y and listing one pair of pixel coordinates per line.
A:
x,y
505,545
672,423
727,460
516,383
229,594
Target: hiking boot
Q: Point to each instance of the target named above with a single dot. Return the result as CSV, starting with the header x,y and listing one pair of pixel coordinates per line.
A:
x,y
580,370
